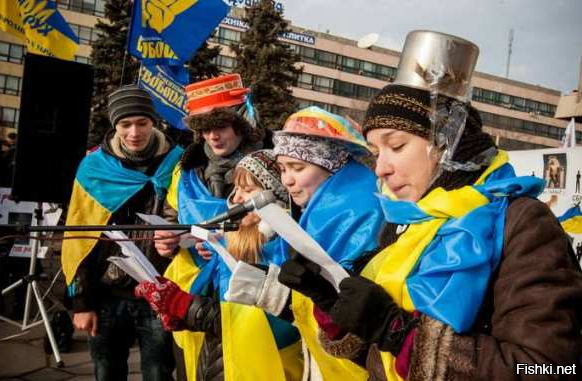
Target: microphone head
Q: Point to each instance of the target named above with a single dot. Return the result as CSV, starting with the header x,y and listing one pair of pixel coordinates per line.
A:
x,y
263,198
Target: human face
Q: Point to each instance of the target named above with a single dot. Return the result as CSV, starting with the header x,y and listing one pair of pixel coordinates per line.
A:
x,y
243,192
135,132
222,140
403,163
302,179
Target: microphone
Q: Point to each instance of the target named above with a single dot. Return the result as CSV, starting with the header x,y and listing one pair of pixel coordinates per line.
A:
x,y
255,202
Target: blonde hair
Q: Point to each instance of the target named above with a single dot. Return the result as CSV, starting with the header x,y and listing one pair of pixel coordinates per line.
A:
x,y
247,242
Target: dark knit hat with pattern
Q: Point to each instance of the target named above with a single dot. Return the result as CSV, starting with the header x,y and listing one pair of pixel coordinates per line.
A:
x,y
407,109
263,166
130,100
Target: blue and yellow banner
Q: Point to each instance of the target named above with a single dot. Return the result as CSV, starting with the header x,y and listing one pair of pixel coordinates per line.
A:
x,y
166,87
168,32
571,220
101,187
42,26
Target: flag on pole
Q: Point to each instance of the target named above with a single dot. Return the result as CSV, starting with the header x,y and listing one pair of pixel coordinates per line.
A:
x,y
168,32
569,139
40,24
165,84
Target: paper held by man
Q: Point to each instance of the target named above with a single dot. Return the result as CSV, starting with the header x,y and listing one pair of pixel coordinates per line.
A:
x,y
134,263
138,267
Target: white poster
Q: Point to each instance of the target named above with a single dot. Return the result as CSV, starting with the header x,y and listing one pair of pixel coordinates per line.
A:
x,y
22,213
561,169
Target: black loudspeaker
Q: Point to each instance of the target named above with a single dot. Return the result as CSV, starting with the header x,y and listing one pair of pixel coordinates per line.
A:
x,y
55,107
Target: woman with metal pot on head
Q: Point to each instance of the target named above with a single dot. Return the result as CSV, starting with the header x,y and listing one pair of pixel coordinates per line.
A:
x,y
474,278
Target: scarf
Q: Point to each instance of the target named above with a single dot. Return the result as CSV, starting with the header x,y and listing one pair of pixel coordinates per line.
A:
x,y
220,170
441,265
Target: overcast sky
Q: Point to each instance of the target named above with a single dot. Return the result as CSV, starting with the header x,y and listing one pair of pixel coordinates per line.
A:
x,y
547,43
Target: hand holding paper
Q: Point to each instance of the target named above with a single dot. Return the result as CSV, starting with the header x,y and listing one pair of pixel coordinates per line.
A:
x,y
135,264
186,240
213,240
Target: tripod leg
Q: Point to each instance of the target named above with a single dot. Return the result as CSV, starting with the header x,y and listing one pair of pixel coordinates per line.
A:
x,y
35,243
47,324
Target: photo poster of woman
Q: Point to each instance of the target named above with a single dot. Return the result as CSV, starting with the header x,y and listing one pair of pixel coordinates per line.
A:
x,y
561,169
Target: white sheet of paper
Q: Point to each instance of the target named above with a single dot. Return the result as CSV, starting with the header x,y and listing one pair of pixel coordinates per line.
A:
x,y
212,239
135,264
281,222
186,240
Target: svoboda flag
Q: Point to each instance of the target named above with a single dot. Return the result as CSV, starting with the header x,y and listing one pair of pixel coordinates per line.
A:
x,y
40,24
168,32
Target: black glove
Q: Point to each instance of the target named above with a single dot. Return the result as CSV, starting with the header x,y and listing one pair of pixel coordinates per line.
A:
x,y
365,309
302,275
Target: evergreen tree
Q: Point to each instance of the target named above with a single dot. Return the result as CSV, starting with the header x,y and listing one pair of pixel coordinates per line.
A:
x,y
267,64
108,55
202,65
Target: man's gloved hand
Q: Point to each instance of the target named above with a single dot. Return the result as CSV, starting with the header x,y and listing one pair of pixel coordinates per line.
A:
x,y
367,310
251,285
167,299
303,276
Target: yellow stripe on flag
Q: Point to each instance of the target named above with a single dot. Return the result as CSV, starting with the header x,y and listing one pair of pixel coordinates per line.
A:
x,y
83,210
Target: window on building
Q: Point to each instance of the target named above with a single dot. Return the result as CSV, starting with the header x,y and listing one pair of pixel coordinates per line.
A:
x,y
225,63
323,84
86,34
82,59
9,116
385,73
350,65
10,85
11,52
227,36
326,59
91,7
305,81
345,89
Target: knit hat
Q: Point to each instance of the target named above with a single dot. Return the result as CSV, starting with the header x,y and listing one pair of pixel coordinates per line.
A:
x,y
263,166
130,100
322,152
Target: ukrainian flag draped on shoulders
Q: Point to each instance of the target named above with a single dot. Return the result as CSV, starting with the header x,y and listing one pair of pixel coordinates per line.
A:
x,y
441,265
101,187
42,26
256,345
344,217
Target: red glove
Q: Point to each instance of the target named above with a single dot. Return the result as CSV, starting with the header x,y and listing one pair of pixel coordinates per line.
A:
x,y
167,299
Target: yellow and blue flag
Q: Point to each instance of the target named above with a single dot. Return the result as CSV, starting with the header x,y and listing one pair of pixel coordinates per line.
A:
x,y
571,220
168,32
42,26
166,87
101,187
441,265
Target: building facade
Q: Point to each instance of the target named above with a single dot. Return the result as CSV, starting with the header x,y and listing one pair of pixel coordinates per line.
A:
x,y
337,76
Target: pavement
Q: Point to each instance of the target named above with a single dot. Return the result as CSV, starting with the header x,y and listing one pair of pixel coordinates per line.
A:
x,y
23,358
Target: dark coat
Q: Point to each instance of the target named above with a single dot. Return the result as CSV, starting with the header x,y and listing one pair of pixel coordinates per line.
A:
x,y
96,277
531,313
